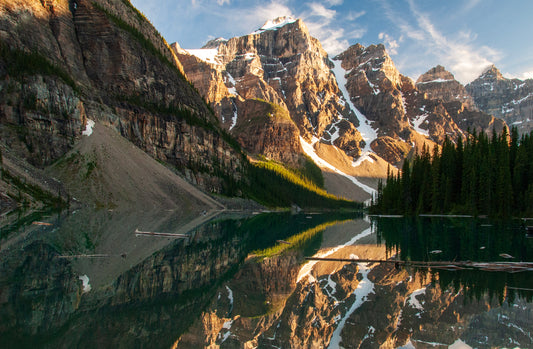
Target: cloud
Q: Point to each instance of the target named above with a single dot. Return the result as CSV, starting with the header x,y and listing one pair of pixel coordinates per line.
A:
x,y
465,60
522,76
222,2
255,17
458,53
320,11
334,2
323,23
391,44
470,4
352,16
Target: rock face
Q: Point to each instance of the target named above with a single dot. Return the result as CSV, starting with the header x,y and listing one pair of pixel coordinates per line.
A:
x,y
438,83
283,65
403,113
65,62
509,99
350,305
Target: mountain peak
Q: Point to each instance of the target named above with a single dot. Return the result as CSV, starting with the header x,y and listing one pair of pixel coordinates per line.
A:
x,y
276,23
214,43
435,74
491,73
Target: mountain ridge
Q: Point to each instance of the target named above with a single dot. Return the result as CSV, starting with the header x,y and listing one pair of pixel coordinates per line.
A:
x,y
363,104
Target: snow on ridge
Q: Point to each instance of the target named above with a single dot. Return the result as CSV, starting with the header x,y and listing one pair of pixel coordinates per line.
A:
x,y
419,120
367,132
310,151
435,81
88,128
230,295
275,24
208,55
413,301
229,78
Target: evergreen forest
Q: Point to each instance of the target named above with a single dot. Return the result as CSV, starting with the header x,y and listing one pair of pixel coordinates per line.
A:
x,y
482,175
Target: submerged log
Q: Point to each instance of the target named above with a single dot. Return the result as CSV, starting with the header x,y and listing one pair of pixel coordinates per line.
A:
x,y
511,267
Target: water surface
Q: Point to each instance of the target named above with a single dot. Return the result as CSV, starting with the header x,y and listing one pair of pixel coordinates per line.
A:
x,y
87,280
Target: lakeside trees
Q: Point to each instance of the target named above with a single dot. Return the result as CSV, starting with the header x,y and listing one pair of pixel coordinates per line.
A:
x,y
485,175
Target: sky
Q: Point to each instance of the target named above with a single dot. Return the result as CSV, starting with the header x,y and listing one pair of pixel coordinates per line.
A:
x,y
464,36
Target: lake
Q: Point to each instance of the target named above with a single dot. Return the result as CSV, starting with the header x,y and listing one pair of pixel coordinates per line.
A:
x,y
122,279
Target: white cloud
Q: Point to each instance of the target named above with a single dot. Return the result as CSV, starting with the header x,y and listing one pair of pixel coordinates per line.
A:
x,y
522,76
463,59
222,2
320,11
470,4
352,16
323,23
458,53
390,43
243,21
334,2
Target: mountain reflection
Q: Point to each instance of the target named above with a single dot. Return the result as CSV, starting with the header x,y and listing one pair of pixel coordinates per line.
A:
x,y
87,280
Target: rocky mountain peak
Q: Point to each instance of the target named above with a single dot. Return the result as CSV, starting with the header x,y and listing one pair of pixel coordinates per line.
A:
x,y
436,74
278,65
438,83
376,65
276,23
491,73
509,99
215,43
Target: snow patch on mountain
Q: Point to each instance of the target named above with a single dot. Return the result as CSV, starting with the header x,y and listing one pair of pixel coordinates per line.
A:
x,y
434,81
208,55
367,132
309,150
419,120
88,128
274,24
305,270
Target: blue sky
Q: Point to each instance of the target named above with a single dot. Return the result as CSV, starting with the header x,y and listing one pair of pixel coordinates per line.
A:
x,y
465,36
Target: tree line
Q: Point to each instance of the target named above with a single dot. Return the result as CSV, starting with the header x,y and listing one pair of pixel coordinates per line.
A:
x,y
483,175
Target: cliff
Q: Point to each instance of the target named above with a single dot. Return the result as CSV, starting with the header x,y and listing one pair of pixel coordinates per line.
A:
x,y
508,99
285,66
66,62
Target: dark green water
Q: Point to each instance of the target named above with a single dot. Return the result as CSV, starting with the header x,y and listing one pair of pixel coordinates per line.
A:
x,y
147,292
463,239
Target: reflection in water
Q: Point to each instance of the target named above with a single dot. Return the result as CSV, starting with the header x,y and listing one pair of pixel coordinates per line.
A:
x,y
243,281
464,239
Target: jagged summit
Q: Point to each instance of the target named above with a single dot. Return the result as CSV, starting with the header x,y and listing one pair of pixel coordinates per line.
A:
x,y
438,83
509,99
435,74
214,43
276,23
491,73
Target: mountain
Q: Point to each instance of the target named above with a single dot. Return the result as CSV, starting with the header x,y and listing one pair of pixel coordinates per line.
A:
x,y
353,114
67,65
275,91
508,99
281,64
439,83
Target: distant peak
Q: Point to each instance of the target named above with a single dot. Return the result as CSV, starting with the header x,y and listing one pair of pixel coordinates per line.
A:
x,y
491,72
434,75
276,23
214,43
